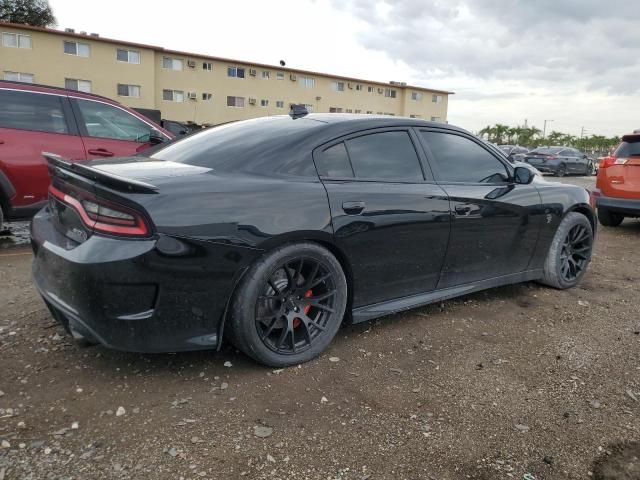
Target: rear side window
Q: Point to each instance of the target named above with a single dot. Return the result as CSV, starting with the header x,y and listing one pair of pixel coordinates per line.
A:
x,y
458,159
106,121
32,111
385,156
334,162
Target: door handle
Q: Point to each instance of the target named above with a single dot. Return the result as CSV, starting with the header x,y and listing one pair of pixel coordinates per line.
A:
x,y
102,152
353,208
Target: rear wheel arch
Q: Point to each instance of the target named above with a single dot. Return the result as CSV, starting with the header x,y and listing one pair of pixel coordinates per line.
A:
x,y
319,240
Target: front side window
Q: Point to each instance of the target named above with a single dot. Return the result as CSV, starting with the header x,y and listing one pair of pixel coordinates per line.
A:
x,y
16,40
19,77
235,72
32,111
106,121
173,95
334,162
77,48
128,90
459,159
128,56
172,63
79,85
385,156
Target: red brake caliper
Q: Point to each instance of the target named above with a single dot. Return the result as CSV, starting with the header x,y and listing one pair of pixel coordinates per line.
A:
x,y
297,321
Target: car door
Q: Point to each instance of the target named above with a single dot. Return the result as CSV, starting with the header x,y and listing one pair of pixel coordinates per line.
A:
x,y
391,223
495,221
110,131
30,123
569,158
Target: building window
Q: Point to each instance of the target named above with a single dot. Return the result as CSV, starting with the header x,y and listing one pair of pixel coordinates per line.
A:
x,y
19,77
369,112
279,104
264,103
171,63
415,116
266,74
76,48
79,85
416,96
207,66
125,90
371,89
235,72
349,110
335,110
16,40
436,98
389,92
307,82
173,95
358,87
207,97
358,111
280,75
337,86
235,101
128,56
435,119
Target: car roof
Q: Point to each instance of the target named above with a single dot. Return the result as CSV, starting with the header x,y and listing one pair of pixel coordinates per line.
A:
x,y
36,87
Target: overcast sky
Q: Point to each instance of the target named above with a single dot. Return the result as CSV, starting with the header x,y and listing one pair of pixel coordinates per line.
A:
x,y
575,62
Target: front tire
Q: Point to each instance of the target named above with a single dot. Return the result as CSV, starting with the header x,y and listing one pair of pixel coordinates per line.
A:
x,y
608,218
570,252
561,171
289,305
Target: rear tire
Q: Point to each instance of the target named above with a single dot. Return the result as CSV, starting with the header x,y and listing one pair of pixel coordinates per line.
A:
x,y
570,252
608,218
289,305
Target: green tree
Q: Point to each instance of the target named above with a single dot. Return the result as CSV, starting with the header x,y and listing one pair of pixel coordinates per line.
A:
x,y
37,13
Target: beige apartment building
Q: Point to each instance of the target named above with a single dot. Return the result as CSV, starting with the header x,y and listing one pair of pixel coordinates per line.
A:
x,y
197,88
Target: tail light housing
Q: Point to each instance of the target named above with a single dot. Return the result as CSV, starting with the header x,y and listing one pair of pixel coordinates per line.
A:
x,y
551,157
608,161
103,216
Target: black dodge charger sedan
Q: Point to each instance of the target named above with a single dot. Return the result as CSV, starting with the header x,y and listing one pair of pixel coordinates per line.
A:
x,y
274,231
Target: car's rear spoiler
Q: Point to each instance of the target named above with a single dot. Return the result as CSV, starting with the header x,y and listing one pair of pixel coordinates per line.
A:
x,y
112,180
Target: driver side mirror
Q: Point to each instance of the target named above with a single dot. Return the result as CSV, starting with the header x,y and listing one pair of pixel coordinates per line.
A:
x,y
155,137
523,175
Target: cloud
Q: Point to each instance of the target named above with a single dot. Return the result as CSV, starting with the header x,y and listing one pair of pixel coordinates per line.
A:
x,y
585,44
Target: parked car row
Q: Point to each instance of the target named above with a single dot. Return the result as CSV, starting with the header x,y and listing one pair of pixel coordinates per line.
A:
x,y
79,126
559,161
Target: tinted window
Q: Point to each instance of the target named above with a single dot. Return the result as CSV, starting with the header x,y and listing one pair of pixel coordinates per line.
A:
x,y
459,159
547,150
106,121
387,155
630,147
334,162
31,111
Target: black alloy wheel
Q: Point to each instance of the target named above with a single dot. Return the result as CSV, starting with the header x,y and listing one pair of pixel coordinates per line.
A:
x,y
289,305
296,305
576,252
562,170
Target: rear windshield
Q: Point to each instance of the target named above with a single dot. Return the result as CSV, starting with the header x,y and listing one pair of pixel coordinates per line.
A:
x,y
248,145
548,150
628,148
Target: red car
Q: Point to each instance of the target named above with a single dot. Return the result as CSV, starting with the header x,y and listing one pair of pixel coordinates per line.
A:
x,y
618,183
75,125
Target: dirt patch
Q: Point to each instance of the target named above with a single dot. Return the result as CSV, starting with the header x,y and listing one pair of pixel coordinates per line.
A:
x,y
519,382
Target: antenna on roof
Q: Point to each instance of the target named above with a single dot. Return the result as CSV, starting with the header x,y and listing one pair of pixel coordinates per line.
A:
x,y
282,63
298,110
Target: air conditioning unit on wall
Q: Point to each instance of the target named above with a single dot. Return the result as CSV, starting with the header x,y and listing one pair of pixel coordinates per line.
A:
x,y
191,63
192,95
293,77
253,72
252,101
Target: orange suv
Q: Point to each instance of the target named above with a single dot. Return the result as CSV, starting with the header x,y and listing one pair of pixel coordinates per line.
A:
x,y
618,183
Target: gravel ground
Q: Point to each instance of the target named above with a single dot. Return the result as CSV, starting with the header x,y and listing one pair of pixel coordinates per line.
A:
x,y
517,382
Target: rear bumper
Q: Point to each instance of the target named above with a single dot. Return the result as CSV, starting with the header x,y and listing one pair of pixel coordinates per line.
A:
x,y
623,206
157,295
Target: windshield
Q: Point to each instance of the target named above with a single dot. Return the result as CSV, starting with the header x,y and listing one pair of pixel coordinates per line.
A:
x,y
548,150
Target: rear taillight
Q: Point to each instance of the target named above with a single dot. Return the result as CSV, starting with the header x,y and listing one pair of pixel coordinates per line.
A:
x,y
607,162
106,217
551,157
